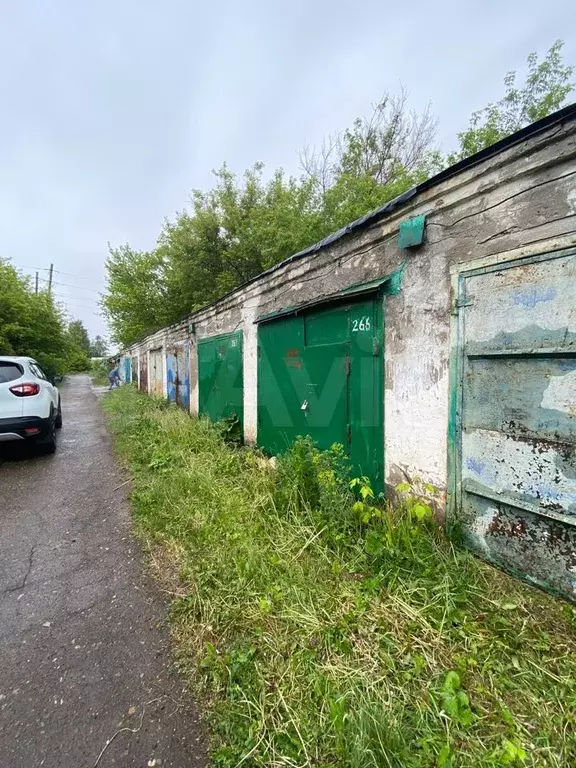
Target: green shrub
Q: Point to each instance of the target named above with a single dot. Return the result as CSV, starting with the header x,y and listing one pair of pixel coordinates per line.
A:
x,y
99,371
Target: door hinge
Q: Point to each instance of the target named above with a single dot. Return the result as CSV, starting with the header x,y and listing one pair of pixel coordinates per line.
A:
x,y
347,366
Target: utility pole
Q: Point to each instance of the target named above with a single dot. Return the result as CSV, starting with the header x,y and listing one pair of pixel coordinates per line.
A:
x,y
36,282
50,279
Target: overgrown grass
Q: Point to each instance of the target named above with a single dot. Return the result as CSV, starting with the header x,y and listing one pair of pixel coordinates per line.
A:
x,y
323,632
99,372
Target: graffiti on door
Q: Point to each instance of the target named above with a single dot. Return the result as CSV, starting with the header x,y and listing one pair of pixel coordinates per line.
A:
x,y
178,375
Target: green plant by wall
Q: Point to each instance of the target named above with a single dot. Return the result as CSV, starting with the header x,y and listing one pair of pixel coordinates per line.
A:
x,y
99,371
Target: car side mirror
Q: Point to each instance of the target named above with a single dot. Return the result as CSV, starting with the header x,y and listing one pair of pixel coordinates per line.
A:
x,y
57,380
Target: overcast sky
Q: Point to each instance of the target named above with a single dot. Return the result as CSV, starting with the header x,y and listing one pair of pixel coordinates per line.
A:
x,y
113,110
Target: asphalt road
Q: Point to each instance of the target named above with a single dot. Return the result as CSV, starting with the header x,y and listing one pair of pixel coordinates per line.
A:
x,y
83,652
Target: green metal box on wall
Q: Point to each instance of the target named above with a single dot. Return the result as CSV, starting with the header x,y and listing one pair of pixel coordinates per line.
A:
x,y
320,373
220,379
411,232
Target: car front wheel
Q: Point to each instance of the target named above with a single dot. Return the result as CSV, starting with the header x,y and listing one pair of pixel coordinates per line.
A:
x,y
58,422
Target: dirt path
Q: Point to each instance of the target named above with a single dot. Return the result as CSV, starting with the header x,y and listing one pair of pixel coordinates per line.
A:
x,y
81,651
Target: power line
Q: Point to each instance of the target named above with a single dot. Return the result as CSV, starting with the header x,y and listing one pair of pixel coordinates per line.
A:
x,y
68,312
47,269
78,306
66,307
68,285
58,272
33,269
81,299
78,287
69,274
77,298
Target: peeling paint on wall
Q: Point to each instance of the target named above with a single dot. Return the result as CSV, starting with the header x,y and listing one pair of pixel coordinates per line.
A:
x,y
559,394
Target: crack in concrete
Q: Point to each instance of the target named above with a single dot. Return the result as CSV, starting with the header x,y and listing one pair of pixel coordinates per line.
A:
x,y
22,584
501,202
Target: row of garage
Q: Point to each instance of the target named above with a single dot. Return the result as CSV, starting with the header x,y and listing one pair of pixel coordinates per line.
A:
x,y
319,374
165,372
435,339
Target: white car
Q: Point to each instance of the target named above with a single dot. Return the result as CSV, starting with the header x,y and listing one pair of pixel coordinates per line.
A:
x,y
30,405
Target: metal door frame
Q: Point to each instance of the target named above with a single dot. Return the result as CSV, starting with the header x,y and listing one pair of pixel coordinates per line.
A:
x,y
536,253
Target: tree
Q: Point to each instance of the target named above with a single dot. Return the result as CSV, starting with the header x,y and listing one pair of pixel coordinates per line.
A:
x,y
31,324
233,232
98,347
372,162
392,140
545,90
78,342
136,302
79,335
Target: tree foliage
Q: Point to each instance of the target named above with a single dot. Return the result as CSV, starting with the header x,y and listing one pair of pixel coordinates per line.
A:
x,y
137,299
79,335
98,347
373,161
78,346
244,225
548,83
233,232
34,325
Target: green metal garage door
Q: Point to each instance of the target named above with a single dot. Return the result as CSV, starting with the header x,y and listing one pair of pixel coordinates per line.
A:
x,y
320,374
220,378
514,417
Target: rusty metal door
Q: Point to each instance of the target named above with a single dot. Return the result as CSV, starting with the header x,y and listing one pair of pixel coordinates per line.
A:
x,y
178,375
156,372
143,381
515,417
